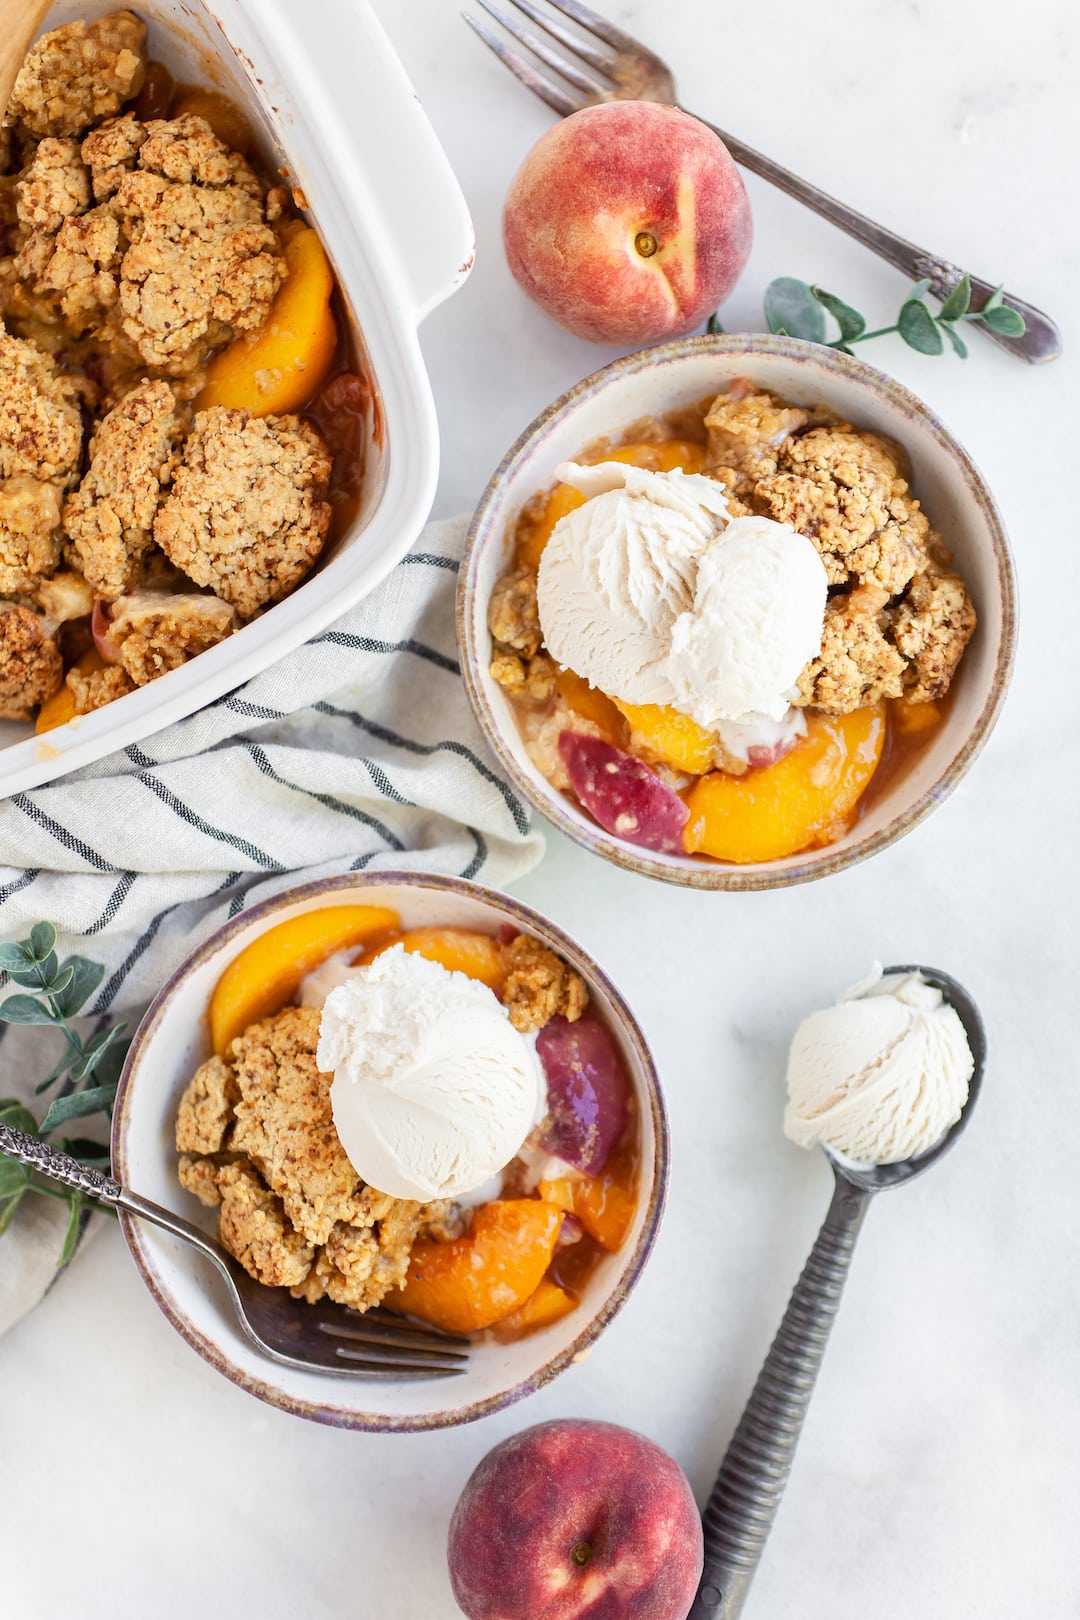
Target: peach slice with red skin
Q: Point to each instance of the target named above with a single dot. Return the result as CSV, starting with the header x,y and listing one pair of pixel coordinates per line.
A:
x,y
803,799
604,1204
267,973
480,1278
627,222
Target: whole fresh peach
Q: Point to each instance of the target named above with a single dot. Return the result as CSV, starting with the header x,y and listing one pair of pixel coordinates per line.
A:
x,y
576,1521
628,222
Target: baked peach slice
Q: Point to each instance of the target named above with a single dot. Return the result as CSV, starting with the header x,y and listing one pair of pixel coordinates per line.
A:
x,y
459,950
803,799
279,367
548,1304
604,1204
482,1277
267,973
60,708
591,704
670,737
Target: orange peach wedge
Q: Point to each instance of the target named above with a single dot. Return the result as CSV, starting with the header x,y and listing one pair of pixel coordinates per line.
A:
x,y
804,799
279,367
480,1278
267,973
459,950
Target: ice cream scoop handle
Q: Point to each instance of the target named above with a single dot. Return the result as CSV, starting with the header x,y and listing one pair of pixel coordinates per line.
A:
x,y
755,1469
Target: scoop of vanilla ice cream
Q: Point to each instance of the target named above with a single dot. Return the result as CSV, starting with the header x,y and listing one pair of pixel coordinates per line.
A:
x,y
433,1090
617,572
755,622
881,1076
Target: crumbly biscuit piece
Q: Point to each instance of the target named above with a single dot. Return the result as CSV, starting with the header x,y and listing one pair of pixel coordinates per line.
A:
x,y
206,1108
54,185
29,532
843,489
79,73
246,514
359,1266
199,1176
931,627
200,264
99,687
539,985
155,631
513,615
76,268
109,519
857,664
284,1123
31,668
40,424
530,678
746,429
253,1226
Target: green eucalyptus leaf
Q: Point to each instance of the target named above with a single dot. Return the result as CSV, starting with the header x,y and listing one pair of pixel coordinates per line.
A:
x,y
42,939
920,290
86,1151
712,325
956,305
852,325
959,346
842,348
792,310
13,958
74,1225
1009,322
918,329
29,977
85,978
95,1051
13,1177
7,1211
59,980
994,300
19,1118
76,1105
24,1010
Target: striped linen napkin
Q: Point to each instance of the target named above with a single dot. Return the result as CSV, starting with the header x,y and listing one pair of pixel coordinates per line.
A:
x,y
356,752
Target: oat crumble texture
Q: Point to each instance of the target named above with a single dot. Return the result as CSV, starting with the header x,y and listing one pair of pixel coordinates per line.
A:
x,y
539,985
31,668
256,1135
79,73
246,514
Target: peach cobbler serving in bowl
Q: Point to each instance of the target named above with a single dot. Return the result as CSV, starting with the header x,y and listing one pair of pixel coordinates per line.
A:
x,y
406,1094
736,612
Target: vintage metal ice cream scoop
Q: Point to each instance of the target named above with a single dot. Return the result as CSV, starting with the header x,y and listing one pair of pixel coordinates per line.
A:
x,y
754,1472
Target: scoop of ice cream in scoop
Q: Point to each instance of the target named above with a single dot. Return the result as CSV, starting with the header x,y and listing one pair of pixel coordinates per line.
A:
x,y
756,621
881,1076
618,571
433,1090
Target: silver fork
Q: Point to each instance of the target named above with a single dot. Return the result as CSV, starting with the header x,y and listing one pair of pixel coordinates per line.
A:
x,y
610,65
323,1338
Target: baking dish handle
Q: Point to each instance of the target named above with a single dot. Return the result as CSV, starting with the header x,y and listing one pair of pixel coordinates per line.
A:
x,y
343,71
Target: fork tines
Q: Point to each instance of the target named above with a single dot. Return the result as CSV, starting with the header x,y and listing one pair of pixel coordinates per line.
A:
x,y
394,1346
595,86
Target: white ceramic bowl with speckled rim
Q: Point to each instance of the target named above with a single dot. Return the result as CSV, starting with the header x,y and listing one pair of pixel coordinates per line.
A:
x,y
171,1042
946,480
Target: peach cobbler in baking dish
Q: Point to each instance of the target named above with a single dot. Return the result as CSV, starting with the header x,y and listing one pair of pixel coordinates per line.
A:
x,y
720,634
181,418
436,1120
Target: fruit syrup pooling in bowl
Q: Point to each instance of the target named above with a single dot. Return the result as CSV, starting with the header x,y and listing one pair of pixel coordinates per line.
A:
x,y
512,1257
897,620
246,316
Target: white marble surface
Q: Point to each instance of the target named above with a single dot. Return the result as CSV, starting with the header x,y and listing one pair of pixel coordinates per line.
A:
x,y
938,1473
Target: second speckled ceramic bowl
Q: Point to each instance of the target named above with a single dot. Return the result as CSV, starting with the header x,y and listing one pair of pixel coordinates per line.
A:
x,y
946,480
171,1042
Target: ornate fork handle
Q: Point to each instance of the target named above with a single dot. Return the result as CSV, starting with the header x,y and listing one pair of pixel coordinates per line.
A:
x,y
49,1161
1041,341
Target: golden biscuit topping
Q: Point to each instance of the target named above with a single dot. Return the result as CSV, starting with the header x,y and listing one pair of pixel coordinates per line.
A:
x,y
79,73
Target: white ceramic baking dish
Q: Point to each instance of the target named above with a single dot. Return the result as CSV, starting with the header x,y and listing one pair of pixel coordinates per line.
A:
x,y
321,83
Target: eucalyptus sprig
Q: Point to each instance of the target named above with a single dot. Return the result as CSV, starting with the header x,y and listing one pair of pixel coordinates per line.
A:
x,y
797,309
87,1072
